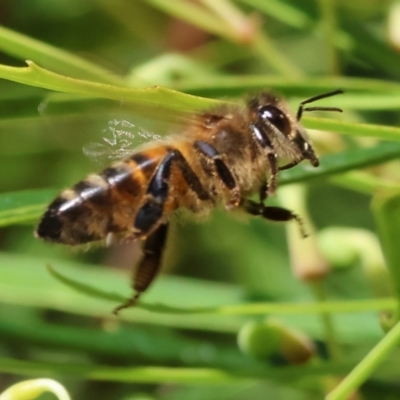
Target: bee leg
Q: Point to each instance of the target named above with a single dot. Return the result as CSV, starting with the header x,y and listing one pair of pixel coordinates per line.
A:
x,y
190,176
277,214
149,265
262,139
151,212
263,192
209,151
273,170
269,188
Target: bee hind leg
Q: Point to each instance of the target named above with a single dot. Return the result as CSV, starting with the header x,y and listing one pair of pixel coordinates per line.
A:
x,y
148,266
149,216
276,214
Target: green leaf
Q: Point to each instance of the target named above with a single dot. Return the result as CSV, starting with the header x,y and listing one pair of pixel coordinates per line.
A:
x,y
24,280
207,306
282,11
229,85
24,206
241,309
167,374
353,129
333,164
24,47
386,210
145,101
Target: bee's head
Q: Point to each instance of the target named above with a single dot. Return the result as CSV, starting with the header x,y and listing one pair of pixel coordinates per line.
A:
x,y
283,130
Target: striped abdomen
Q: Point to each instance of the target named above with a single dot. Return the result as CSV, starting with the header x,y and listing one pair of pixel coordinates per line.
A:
x,y
103,203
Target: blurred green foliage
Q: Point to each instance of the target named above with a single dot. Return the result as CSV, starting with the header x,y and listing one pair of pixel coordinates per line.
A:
x,y
223,273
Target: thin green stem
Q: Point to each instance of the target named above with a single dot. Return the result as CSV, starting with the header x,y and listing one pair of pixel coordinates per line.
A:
x,y
25,47
364,182
328,14
263,47
232,16
327,323
196,15
365,368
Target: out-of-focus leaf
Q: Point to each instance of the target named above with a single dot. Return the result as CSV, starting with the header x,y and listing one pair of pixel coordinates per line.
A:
x,y
51,57
386,208
207,306
342,162
24,206
145,101
169,375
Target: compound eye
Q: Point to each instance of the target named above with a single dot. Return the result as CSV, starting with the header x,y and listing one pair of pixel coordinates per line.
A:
x,y
275,117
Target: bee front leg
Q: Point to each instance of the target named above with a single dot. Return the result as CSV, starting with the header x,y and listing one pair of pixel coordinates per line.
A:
x,y
273,170
269,188
222,170
276,214
265,143
148,266
263,192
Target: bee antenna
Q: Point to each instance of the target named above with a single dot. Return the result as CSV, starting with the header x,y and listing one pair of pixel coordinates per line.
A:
x,y
315,98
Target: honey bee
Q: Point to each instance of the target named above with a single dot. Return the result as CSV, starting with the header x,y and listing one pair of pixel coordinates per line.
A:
x,y
224,156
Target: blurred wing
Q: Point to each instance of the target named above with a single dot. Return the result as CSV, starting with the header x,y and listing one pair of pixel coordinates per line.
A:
x,y
118,141
107,130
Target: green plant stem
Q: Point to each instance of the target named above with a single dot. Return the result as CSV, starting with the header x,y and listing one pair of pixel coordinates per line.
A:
x,y
281,11
170,375
231,15
327,323
386,210
24,47
196,15
263,47
247,31
328,14
237,309
364,182
365,368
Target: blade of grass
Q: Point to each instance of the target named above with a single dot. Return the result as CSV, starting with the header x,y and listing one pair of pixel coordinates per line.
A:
x,y
367,366
241,309
281,11
364,182
353,129
332,164
262,46
259,42
235,85
24,47
370,47
137,18
24,206
386,210
146,101
328,22
196,15
167,374
25,281
126,343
